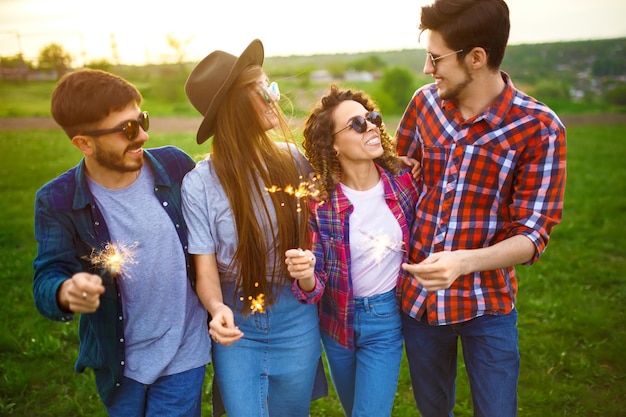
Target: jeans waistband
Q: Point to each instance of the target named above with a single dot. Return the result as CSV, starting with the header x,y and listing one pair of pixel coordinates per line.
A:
x,y
376,298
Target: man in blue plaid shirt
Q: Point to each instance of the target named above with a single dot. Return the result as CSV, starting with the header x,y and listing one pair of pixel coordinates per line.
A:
x,y
112,248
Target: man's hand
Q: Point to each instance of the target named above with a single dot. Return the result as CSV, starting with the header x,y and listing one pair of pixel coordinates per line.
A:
x,y
438,271
416,167
80,293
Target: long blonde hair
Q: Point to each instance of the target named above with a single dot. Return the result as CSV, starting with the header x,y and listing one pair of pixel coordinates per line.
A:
x,y
246,160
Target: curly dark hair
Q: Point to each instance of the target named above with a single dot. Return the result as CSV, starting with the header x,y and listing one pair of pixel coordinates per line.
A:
x,y
318,139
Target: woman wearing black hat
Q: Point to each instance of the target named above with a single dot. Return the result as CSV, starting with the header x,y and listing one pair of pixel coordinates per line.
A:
x,y
266,348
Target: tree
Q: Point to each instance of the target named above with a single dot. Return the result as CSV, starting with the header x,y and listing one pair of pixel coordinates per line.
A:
x,y
396,89
549,90
370,63
178,46
101,64
616,95
54,58
14,68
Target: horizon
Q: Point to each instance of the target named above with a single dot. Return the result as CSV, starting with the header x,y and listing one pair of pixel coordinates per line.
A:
x,y
137,33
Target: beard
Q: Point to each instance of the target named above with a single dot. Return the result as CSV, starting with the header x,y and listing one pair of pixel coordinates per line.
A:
x,y
454,92
113,161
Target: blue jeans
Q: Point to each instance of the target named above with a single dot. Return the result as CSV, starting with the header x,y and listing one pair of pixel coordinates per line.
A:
x,y
491,355
366,378
272,369
178,395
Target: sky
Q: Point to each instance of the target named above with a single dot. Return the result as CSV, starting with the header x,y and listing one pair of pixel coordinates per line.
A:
x,y
139,29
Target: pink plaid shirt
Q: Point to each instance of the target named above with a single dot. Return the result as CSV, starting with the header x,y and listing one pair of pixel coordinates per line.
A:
x,y
330,234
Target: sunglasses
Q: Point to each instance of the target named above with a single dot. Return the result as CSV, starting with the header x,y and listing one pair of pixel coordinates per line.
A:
x,y
129,127
359,123
434,59
270,93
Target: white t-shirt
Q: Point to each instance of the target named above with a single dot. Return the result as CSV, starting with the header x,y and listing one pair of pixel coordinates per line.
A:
x,y
375,242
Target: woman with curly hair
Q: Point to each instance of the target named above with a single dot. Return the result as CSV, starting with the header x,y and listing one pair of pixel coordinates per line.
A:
x,y
359,233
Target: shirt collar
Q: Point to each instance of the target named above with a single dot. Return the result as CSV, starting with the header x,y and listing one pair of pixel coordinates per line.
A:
x,y
83,196
342,203
496,112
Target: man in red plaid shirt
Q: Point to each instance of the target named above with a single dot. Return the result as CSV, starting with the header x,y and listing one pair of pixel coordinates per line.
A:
x,y
493,179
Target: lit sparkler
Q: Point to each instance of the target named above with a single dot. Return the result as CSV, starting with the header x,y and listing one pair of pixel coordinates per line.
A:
x,y
303,190
257,304
380,245
113,257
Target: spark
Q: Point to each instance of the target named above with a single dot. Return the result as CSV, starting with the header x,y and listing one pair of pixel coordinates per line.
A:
x,y
303,190
380,245
113,257
257,304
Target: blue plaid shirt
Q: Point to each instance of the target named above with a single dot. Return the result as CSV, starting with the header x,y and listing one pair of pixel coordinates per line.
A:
x,y
68,227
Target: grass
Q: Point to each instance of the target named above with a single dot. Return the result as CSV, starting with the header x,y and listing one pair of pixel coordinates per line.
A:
x,y
571,303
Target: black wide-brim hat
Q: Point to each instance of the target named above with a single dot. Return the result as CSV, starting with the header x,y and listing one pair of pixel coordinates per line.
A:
x,y
211,79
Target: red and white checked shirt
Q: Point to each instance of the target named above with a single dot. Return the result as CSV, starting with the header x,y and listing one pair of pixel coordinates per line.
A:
x,y
485,179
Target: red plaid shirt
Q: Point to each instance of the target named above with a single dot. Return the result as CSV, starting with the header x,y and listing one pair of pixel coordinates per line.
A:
x,y
494,176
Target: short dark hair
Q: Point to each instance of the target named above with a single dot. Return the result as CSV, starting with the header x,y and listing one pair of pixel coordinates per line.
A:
x,y
84,97
466,24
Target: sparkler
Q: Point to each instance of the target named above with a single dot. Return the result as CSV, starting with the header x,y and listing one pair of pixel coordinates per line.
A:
x,y
257,304
303,190
380,245
113,257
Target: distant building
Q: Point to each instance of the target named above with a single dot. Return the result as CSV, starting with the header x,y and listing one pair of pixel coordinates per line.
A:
x,y
321,76
358,76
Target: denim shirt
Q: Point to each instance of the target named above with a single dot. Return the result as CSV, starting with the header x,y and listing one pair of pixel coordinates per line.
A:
x,y
69,227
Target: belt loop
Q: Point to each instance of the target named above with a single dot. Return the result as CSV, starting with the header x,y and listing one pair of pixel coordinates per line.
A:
x,y
366,304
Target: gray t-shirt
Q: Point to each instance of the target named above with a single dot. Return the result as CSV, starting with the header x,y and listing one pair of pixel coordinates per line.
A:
x,y
210,220
164,322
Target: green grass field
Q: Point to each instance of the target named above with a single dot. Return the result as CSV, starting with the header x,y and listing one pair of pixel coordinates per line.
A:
x,y
571,303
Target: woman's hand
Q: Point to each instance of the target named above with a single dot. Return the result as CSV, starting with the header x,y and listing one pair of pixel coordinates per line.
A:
x,y
301,267
222,326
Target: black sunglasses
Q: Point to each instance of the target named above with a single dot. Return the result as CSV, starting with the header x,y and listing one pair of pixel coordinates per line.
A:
x,y
130,128
359,123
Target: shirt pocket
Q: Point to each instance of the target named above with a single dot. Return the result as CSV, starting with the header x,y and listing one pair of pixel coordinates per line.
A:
x,y
434,160
490,168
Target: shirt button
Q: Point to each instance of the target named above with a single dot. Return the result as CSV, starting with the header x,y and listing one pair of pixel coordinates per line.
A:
x,y
117,384
121,340
122,363
120,318
165,204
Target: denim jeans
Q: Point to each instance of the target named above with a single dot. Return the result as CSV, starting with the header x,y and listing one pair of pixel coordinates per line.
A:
x,y
178,395
271,370
366,378
491,355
